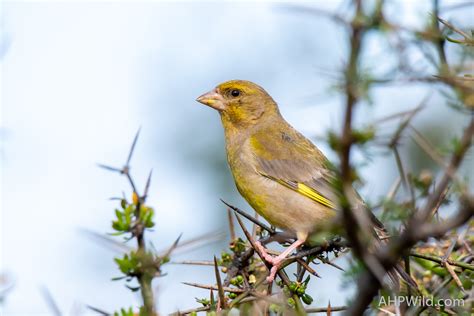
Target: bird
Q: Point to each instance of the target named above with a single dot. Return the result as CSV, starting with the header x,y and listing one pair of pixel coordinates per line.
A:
x,y
282,175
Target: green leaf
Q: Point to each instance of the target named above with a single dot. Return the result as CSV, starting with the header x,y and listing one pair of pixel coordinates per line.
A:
x,y
307,299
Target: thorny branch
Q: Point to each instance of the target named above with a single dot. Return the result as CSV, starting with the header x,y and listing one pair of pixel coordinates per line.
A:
x,y
144,278
419,227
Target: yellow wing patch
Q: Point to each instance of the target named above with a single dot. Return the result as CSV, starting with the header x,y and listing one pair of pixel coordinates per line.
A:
x,y
312,194
306,191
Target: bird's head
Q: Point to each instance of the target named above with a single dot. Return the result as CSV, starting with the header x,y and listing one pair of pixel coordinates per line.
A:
x,y
240,102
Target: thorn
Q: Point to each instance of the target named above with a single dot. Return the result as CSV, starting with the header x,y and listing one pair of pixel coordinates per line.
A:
x,y
306,266
404,124
401,114
191,262
109,168
249,217
95,309
106,241
334,265
50,301
194,243
231,225
211,298
173,246
222,303
132,148
212,287
147,186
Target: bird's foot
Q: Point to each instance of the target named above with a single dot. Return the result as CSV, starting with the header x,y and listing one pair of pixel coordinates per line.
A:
x,y
276,262
263,252
276,265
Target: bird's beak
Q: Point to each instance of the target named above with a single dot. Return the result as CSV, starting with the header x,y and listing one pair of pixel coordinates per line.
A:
x,y
213,99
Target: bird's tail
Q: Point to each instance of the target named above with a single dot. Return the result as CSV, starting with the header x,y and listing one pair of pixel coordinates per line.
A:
x,y
398,272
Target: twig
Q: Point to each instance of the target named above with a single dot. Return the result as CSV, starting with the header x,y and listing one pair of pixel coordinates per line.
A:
x,y
132,148
231,225
455,29
222,304
212,287
192,310
424,144
53,306
441,260
351,223
325,309
401,114
173,247
195,242
405,123
439,41
249,217
99,311
307,267
147,186
197,263
454,275
315,11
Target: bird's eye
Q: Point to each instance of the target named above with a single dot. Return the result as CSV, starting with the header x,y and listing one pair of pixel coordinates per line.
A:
x,y
235,93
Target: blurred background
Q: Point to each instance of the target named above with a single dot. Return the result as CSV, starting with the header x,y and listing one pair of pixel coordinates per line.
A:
x,y
77,81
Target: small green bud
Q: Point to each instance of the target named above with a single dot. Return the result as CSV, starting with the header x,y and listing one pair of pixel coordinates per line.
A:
x,y
300,290
234,281
292,287
240,279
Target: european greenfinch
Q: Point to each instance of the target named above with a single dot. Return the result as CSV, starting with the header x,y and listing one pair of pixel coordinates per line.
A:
x,y
280,173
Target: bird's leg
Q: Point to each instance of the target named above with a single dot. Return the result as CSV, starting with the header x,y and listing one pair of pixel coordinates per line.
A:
x,y
277,261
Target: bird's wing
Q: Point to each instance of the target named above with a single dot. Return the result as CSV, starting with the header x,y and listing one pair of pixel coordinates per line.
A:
x,y
287,157
290,159
298,176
